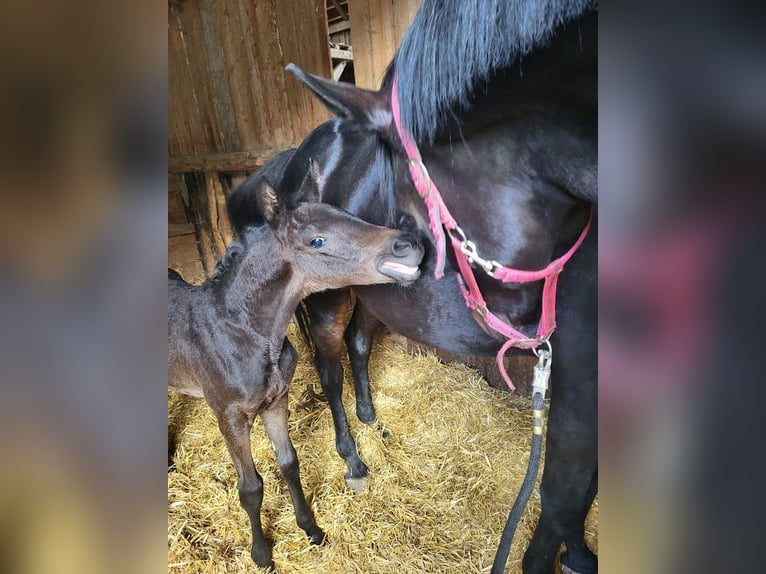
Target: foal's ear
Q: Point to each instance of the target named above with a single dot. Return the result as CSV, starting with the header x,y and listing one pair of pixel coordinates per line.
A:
x,y
371,110
267,197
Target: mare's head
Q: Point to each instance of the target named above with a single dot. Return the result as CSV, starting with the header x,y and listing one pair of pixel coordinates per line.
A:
x,y
329,248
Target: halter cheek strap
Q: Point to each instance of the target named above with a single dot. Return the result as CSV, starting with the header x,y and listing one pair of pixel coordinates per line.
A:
x,y
466,254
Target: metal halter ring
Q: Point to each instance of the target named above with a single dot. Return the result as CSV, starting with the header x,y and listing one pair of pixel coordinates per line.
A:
x,y
547,342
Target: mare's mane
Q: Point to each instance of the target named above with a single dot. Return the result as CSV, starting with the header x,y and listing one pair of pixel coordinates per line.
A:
x,y
451,46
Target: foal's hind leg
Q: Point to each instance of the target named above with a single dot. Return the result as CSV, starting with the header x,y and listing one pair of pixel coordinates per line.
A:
x,y
235,427
275,423
327,312
359,334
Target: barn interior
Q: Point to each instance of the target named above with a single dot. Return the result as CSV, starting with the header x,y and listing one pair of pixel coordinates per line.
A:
x,y
455,448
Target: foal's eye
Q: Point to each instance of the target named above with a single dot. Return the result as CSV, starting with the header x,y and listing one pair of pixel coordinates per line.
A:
x,y
317,242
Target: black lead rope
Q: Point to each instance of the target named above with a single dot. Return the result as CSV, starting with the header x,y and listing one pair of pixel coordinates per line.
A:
x,y
542,373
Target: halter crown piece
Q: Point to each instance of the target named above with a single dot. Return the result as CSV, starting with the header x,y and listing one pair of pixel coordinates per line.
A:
x,y
466,253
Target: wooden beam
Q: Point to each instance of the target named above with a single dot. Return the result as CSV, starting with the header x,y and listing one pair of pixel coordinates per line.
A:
x,y
177,229
337,54
343,13
340,27
232,161
337,71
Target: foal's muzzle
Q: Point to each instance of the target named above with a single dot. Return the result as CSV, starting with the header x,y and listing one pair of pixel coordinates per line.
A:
x,y
402,260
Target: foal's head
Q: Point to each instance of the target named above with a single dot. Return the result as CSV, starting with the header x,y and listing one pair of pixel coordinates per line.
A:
x,y
328,248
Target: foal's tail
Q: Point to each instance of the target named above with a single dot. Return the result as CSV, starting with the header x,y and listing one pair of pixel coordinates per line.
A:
x,y
304,325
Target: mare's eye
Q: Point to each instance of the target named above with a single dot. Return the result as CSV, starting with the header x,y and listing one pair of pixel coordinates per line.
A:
x,y
317,242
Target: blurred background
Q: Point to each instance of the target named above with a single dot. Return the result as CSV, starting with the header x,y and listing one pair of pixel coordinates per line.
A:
x,y
83,163
682,128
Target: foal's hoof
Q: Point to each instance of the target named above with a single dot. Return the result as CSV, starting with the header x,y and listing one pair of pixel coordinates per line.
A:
x,y
318,538
357,484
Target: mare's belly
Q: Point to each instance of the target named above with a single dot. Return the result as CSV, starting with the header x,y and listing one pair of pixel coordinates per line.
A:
x,y
430,312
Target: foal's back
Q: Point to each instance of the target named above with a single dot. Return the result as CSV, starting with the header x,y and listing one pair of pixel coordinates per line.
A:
x,y
210,339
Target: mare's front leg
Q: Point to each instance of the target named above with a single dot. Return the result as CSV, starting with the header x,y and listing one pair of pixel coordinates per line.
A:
x,y
327,318
569,481
359,335
570,475
235,427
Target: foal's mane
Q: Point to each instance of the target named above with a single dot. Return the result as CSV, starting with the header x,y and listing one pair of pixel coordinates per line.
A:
x,y
234,254
452,45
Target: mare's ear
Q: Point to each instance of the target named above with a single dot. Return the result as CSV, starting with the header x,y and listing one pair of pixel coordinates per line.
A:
x,y
372,110
267,197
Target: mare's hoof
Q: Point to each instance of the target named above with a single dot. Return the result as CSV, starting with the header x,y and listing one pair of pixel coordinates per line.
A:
x,y
318,538
583,562
366,415
566,570
263,560
357,484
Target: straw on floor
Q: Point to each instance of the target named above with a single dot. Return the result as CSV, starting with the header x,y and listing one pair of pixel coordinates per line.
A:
x,y
443,478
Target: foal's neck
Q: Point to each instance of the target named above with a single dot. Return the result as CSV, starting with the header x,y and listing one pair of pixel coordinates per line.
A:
x,y
263,291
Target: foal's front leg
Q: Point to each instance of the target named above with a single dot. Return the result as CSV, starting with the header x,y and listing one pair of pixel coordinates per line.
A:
x,y
235,427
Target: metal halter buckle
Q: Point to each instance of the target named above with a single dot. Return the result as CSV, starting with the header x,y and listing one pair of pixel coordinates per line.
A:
x,y
542,371
469,249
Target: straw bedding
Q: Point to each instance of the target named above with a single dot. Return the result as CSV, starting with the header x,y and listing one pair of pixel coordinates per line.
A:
x,y
443,477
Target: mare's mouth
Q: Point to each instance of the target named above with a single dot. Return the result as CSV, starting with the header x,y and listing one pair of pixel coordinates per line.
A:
x,y
402,272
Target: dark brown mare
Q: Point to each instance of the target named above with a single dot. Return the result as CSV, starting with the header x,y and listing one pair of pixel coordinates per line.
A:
x,y
501,98
226,338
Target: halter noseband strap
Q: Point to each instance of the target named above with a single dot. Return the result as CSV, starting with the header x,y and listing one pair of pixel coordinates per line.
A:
x,y
466,253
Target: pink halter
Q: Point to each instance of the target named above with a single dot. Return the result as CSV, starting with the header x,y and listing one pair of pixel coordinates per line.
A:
x,y
466,253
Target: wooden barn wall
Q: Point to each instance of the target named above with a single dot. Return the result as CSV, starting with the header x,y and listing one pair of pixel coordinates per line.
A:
x,y
228,91
377,27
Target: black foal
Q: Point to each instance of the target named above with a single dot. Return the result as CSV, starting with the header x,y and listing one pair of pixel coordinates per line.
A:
x,y
226,338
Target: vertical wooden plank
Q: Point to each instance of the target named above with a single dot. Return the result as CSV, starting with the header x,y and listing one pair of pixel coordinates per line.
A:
x,y
259,74
271,73
315,54
404,12
301,47
300,44
199,70
323,33
198,200
359,15
245,113
189,116
176,127
286,37
216,212
379,20
220,97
